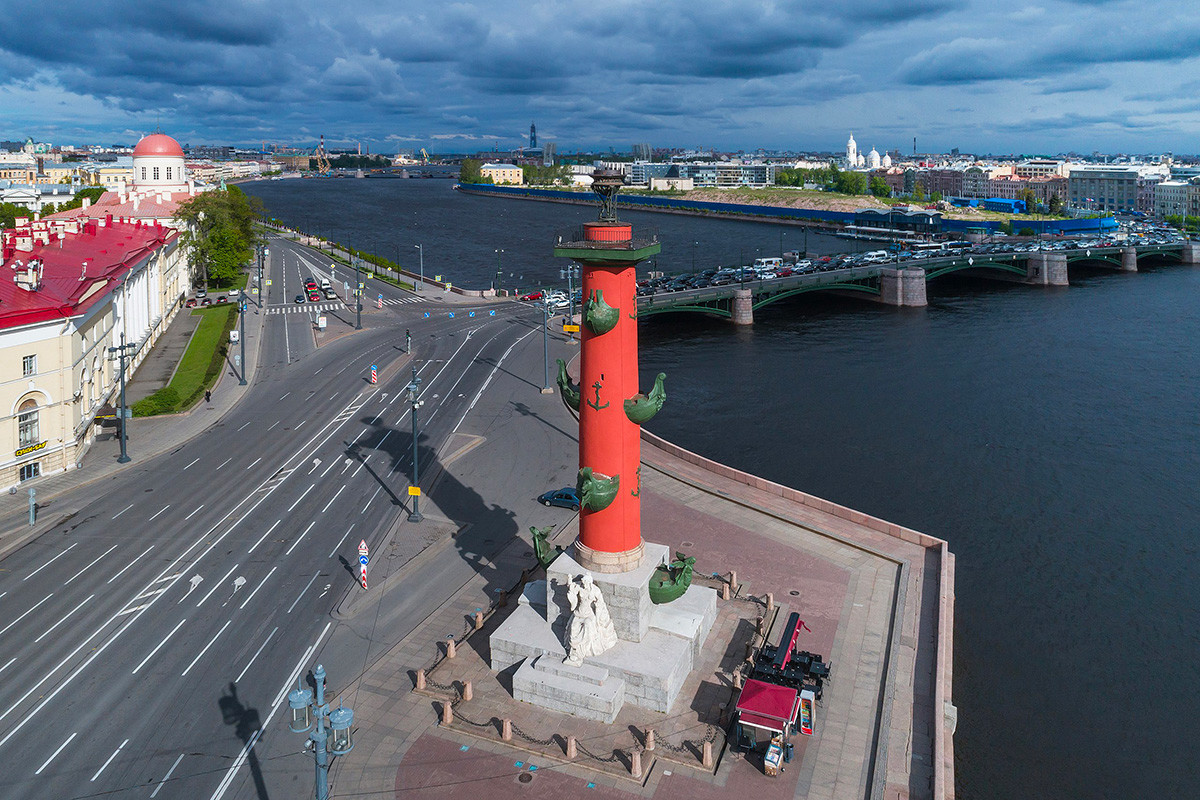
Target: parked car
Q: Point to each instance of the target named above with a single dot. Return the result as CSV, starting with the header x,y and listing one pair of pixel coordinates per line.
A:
x,y
206,301
191,302
300,298
563,498
314,296
532,296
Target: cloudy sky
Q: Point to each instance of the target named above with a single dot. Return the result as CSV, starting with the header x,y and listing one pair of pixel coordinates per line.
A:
x,y
980,75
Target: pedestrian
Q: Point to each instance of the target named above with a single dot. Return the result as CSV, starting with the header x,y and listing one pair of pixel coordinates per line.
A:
x,y
207,396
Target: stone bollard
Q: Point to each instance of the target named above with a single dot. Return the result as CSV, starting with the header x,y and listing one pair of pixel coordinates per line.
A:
x,y
733,582
478,619
749,650
468,691
506,730
724,591
759,624
635,763
572,747
649,738
706,760
770,602
420,680
450,652
737,679
447,713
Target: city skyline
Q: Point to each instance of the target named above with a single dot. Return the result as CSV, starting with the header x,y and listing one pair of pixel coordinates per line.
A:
x,y
1068,75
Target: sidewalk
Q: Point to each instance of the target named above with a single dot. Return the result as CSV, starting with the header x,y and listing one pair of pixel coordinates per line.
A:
x,y
148,436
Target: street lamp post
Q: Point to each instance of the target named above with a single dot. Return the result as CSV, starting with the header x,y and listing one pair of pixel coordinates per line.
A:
x,y
498,274
421,251
242,338
570,273
412,387
119,350
329,732
546,345
357,289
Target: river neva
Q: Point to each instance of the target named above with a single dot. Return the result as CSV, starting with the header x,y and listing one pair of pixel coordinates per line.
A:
x,y
1051,436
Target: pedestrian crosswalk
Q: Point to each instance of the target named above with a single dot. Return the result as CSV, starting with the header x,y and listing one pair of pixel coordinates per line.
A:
x,y
395,301
306,308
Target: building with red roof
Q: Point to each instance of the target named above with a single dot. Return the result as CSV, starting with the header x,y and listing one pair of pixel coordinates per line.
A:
x,y
69,290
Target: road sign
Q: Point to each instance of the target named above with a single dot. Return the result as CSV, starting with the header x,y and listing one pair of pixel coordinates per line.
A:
x,y
426,315
379,302
363,560
362,547
451,315
268,281
570,329
414,491
472,314
491,313
362,575
374,374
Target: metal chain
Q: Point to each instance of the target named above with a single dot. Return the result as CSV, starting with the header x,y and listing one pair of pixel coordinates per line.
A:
x,y
441,686
458,717
530,739
611,759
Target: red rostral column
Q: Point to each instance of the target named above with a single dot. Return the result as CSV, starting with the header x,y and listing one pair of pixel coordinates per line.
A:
x,y
609,399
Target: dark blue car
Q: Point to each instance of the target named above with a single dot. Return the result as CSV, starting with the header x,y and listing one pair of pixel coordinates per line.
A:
x,y
563,498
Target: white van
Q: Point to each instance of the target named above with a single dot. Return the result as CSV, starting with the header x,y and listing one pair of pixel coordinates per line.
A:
x,y
876,256
767,263
325,284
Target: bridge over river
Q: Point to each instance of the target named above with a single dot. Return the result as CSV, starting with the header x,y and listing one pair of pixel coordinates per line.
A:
x,y
903,284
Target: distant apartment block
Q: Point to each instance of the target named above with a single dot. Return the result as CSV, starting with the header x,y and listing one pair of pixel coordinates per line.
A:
x,y
503,173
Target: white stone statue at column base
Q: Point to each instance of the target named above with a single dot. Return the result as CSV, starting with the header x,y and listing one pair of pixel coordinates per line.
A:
x,y
591,631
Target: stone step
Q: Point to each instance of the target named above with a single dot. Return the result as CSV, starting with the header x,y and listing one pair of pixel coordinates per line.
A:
x,y
568,695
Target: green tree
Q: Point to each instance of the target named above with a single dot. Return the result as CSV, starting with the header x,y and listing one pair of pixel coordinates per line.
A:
x,y
918,192
1006,227
879,187
935,197
1029,199
218,232
1055,204
469,171
1027,231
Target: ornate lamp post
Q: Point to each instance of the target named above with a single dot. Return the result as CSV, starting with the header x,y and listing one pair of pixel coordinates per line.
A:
x,y
329,731
412,388
119,350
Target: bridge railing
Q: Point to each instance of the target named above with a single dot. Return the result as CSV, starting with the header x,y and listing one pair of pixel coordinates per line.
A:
x,y
573,237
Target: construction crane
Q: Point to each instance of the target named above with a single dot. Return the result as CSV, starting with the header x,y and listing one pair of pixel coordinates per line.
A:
x,y
323,165
424,156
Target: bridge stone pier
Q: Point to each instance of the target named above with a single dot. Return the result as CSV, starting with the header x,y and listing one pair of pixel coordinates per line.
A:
x,y
1048,269
1129,259
742,310
1190,253
902,287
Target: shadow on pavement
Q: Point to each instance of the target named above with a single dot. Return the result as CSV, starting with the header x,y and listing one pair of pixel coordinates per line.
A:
x,y
246,723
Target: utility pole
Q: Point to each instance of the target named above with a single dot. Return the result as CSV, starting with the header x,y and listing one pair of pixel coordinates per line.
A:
x,y
242,337
498,275
546,344
357,289
421,250
120,351
415,490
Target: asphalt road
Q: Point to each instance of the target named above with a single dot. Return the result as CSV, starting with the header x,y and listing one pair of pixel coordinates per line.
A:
x,y
146,644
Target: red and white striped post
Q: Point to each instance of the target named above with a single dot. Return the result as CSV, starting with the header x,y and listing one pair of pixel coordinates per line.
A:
x,y
374,374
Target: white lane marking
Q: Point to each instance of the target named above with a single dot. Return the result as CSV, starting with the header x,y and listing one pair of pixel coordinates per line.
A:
x,y
316,463
9,664
48,563
55,753
244,424
125,611
164,508
273,424
217,585
149,593
306,530
348,464
318,372
298,427
26,614
123,510
301,497
223,463
193,461
332,461
225,783
194,513
339,544
335,497
158,646
368,503
205,650
104,766
98,651
255,461
47,632
483,388
302,591
265,535
256,654
285,394
193,583
166,777
130,564
256,588
89,566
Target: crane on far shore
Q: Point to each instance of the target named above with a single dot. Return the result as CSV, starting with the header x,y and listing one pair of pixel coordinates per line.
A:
x,y
323,165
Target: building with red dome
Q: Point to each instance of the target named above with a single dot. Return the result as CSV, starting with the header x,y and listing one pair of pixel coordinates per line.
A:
x,y
158,164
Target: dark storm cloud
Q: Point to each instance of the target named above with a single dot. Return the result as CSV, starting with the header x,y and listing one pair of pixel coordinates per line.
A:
x,y
713,70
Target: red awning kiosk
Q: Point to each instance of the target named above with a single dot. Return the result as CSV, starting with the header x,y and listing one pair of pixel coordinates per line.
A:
x,y
764,711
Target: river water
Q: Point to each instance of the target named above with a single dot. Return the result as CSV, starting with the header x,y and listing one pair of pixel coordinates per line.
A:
x,y
1052,436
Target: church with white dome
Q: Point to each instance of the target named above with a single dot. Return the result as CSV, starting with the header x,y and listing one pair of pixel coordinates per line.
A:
x,y
158,164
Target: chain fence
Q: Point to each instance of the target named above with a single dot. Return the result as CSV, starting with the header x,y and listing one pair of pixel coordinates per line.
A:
x,y
531,739
616,756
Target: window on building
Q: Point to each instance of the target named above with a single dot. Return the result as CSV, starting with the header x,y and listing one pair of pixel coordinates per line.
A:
x,y
29,366
168,173
155,173
143,173
27,424
31,470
